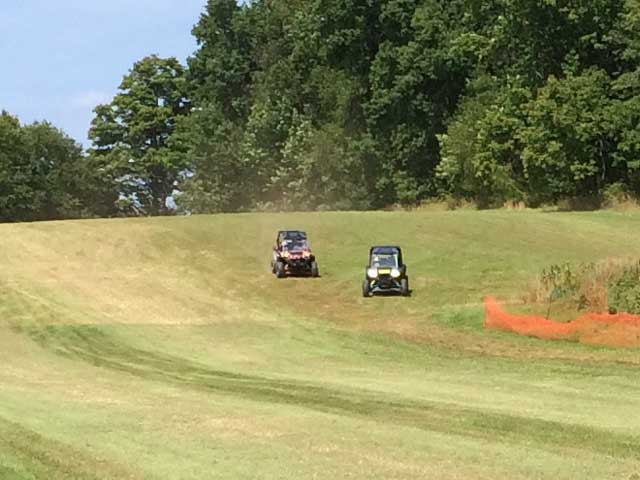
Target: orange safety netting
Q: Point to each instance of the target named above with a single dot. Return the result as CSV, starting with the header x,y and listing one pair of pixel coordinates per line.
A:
x,y
619,330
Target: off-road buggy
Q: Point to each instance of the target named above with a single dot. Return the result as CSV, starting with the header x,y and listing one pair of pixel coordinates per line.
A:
x,y
292,255
385,272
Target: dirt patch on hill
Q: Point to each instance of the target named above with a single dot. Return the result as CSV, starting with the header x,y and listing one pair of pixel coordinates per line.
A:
x,y
619,330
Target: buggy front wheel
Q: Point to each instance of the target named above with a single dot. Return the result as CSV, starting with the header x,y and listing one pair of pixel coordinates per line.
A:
x,y
280,270
366,289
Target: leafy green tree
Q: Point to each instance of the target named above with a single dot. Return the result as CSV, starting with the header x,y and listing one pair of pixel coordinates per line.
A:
x,y
539,38
132,133
217,180
57,163
481,154
404,98
623,116
627,33
415,86
43,174
567,149
262,73
220,70
319,169
17,192
512,144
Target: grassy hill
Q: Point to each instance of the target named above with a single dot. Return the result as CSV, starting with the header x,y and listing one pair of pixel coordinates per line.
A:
x,y
164,349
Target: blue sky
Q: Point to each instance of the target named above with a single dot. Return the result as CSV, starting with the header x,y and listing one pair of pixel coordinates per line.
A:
x,y
61,58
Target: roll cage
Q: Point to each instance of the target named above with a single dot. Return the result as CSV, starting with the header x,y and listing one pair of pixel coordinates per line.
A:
x,y
385,250
293,235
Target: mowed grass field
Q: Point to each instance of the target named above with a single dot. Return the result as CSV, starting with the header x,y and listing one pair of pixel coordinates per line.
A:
x,y
165,349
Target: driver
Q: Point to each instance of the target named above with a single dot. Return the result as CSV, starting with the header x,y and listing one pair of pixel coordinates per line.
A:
x,y
286,244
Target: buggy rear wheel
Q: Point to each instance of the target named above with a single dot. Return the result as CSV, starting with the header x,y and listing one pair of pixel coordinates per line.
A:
x,y
315,271
404,287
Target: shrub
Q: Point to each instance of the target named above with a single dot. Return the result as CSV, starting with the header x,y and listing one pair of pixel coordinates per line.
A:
x,y
612,284
617,195
624,292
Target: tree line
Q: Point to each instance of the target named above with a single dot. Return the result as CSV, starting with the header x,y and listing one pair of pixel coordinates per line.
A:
x,y
358,104
44,175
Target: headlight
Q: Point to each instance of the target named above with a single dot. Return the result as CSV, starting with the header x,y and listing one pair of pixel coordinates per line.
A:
x,y
372,273
285,254
395,273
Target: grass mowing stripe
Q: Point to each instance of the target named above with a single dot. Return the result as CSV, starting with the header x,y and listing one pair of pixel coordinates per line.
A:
x,y
46,458
271,384
92,345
